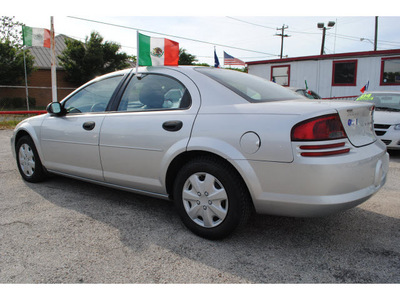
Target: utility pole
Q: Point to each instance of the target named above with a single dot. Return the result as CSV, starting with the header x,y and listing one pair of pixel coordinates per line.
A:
x,y
322,26
282,35
376,34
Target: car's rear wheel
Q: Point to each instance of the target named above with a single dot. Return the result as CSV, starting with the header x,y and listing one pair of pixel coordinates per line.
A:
x,y
211,198
28,161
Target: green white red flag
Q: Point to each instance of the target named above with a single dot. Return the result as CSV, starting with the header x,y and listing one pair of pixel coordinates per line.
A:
x,y
36,36
157,51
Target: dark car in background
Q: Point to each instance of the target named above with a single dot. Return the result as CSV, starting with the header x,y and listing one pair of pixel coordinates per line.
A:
x,y
306,93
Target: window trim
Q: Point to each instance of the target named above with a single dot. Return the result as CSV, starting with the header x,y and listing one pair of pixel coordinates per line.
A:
x,y
354,83
281,66
381,83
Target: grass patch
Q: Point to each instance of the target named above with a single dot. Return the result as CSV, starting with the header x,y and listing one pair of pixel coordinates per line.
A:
x,y
10,124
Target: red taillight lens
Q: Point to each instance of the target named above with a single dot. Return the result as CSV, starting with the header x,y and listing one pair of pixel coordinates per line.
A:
x,y
322,128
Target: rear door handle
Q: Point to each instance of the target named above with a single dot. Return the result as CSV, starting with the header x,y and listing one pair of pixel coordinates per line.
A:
x,y
89,125
172,125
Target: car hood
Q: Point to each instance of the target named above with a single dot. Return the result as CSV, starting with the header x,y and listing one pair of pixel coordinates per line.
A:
x,y
386,117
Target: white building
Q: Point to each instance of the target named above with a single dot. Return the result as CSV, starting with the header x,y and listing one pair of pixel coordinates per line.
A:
x,y
334,75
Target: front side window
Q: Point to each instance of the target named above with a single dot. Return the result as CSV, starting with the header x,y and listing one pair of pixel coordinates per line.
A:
x,y
344,73
280,75
390,71
154,92
94,97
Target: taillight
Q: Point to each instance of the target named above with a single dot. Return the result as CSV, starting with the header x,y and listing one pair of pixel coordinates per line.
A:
x,y
320,129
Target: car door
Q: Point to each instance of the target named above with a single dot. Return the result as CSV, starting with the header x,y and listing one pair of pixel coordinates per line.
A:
x,y
70,143
153,123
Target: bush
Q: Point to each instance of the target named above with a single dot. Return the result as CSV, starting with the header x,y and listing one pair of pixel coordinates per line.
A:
x,y
16,103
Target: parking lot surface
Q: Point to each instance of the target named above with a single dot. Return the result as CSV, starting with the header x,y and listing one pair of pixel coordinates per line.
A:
x,y
67,231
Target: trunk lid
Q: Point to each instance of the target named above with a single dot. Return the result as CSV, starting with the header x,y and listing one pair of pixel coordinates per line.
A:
x,y
357,120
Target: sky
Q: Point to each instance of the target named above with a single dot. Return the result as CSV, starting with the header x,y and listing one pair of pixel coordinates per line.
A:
x,y
246,30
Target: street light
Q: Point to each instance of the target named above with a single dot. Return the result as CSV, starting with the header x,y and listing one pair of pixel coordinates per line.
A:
x,y
322,26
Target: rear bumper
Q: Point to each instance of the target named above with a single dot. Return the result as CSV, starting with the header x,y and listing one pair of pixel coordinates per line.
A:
x,y
318,186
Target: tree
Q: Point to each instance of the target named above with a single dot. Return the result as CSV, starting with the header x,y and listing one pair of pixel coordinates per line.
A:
x,y
186,58
11,31
12,69
84,61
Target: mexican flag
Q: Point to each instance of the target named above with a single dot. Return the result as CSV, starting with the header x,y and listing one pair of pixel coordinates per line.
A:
x,y
36,36
157,51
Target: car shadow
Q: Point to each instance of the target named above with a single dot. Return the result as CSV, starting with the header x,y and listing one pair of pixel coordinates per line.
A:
x,y
349,247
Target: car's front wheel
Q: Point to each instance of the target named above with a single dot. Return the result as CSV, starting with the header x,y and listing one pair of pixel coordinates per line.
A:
x,y
28,161
211,198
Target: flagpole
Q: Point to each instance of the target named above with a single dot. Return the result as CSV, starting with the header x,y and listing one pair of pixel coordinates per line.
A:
x,y
137,55
26,77
26,82
53,62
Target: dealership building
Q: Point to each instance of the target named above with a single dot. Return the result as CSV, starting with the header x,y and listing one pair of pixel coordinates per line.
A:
x,y
334,75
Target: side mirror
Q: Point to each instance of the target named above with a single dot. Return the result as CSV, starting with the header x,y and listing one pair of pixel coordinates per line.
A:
x,y
55,108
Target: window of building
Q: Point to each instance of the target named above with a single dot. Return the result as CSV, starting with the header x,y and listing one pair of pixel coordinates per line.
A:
x,y
390,71
281,75
344,73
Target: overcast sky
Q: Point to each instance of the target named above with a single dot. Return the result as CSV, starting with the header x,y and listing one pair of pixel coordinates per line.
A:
x,y
239,29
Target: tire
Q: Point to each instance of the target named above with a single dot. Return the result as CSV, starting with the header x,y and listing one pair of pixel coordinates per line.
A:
x,y
28,161
211,198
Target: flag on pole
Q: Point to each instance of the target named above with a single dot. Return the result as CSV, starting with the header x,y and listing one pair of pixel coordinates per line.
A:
x,y
230,60
216,60
365,87
307,90
157,51
36,36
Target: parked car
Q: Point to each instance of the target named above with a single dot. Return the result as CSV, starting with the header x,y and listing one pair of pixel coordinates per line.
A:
x,y
219,143
306,93
386,116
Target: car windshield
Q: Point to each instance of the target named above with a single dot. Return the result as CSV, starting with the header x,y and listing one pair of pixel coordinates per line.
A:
x,y
382,101
250,87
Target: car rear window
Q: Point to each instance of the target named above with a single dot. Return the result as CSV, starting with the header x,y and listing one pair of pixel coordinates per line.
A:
x,y
250,87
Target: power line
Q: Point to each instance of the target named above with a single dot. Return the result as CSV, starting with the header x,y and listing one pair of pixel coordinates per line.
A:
x,y
170,35
251,23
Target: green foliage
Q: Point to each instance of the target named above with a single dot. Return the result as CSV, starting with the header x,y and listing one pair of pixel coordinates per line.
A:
x,y
185,58
16,103
243,69
11,31
11,53
84,61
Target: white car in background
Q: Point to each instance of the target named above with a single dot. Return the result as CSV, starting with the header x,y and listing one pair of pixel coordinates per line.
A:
x,y
219,143
386,116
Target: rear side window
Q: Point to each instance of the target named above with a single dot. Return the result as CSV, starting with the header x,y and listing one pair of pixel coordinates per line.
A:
x,y
250,87
154,92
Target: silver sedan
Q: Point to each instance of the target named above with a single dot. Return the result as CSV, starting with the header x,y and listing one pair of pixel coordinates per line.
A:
x,y
219,143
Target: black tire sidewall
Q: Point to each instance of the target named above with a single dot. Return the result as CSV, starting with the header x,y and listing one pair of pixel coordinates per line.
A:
x,y
38,174
233,187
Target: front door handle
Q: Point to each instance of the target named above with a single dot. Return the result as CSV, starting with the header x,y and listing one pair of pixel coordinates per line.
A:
x,y
172,125
89,125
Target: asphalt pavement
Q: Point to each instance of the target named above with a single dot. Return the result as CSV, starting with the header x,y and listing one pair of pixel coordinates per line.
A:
x,y
67,231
